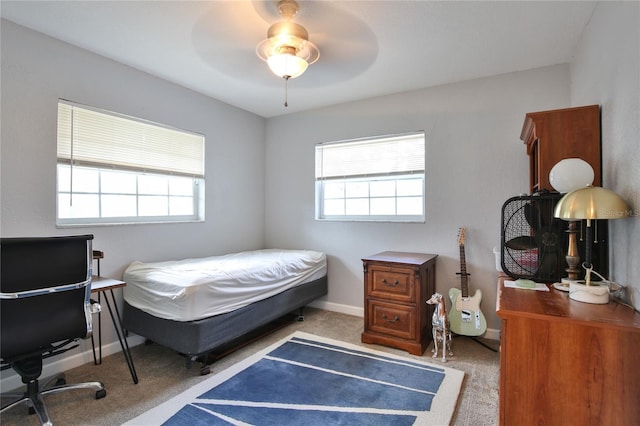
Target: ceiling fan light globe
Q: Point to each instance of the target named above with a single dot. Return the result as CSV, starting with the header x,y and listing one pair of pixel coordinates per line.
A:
x,y
287,65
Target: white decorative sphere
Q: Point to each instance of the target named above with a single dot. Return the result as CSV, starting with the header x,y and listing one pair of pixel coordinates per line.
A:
x,y
570,174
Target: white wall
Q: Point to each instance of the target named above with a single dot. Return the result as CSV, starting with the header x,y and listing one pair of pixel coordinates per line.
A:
x,y
606,71
37,70
475,162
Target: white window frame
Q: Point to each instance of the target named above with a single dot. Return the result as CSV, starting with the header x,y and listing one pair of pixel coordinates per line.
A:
x,y
390,160
103,142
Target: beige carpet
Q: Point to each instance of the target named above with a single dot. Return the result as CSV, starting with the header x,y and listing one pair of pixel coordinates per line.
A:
x,y
163,375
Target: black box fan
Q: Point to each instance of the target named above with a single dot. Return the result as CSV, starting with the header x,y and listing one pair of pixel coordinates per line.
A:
x,y
534,243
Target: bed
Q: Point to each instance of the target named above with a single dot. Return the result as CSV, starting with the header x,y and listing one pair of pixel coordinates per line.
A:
x,y
195,306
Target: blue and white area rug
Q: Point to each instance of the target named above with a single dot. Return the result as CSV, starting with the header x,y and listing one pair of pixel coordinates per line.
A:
x,y
310,380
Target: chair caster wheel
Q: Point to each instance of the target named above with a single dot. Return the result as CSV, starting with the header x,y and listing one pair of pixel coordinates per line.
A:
x,y
205,370
101,393
31,411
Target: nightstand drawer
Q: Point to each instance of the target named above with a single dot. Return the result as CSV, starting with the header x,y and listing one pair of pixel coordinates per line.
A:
x,y
391,319
391,283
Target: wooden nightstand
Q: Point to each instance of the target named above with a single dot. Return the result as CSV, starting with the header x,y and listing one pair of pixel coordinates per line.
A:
x,y
397,286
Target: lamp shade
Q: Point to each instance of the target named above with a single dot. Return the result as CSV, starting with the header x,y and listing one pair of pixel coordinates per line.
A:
x,y
592,202
570,174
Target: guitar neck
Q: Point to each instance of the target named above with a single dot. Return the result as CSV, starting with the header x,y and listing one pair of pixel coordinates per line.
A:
x,y
464,277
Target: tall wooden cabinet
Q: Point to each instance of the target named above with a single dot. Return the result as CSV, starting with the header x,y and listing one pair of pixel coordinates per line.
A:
x,y
551,136
397,286
564,362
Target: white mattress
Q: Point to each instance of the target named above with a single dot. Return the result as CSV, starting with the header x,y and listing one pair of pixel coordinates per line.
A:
x,y
191,289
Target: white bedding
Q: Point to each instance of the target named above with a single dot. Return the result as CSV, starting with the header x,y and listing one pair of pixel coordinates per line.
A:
x,y
191,289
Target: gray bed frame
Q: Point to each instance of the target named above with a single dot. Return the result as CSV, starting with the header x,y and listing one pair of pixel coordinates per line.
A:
x,y
196,339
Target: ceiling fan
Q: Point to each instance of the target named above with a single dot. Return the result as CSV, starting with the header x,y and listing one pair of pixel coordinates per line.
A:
x,y
287,49
228,37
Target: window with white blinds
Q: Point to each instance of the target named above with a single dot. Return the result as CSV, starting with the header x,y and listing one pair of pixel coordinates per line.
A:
x,y
118,169
371,179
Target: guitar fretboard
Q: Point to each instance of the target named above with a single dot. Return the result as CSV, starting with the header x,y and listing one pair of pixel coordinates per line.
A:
x,y
464,277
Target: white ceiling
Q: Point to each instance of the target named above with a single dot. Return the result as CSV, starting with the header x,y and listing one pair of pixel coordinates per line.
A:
x,y
367,48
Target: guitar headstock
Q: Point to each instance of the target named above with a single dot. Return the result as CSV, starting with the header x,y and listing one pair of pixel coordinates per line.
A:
x,y
461,236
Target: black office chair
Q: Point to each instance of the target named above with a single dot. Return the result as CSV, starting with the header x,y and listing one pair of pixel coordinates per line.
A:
x,y
44,308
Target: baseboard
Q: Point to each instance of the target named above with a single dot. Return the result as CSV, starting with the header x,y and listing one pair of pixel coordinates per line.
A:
x,y
492,334
336,307
12,380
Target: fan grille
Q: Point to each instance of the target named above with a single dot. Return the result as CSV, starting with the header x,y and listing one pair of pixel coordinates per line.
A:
x,y
533,241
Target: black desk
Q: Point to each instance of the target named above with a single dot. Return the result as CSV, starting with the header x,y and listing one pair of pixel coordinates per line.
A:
x,y
100,285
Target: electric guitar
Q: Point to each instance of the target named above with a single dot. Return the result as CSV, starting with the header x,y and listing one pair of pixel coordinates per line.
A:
x,y
465,316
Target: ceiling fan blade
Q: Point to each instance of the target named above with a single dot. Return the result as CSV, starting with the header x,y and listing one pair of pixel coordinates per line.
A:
x,y
521,243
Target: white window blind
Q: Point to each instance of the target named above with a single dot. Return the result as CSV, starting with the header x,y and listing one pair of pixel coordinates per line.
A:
x,y
91,137
392,155
372,179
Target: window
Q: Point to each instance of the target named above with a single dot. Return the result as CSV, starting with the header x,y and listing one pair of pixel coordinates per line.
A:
x,y
114,169
373,179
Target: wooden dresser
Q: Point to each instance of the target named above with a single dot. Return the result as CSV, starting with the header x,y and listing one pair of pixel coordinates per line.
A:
x,y
564,362
397,286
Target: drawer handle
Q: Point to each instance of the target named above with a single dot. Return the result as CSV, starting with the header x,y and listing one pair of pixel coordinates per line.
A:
x,y
387,283
395,319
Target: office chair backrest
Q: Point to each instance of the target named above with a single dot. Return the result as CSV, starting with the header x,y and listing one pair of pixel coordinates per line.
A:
x,y
30,322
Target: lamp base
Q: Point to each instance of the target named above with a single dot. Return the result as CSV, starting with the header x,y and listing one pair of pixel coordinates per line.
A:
x,y
594,293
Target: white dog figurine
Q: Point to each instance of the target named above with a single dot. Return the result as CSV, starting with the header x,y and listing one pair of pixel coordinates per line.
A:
x,y
440,326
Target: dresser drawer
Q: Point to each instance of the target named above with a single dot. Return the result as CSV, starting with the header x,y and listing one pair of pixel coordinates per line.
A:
x,y
391,319
391,283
